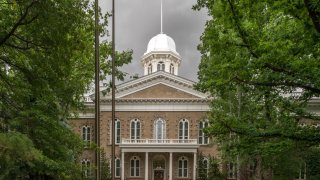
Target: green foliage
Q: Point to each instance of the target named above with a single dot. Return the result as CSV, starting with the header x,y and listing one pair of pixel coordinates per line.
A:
x,y
312,160
255,56
214,171
209,169
46,65
202,168
105,167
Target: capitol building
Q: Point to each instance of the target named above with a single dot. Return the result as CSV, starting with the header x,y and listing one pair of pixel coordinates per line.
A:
x,y
159,121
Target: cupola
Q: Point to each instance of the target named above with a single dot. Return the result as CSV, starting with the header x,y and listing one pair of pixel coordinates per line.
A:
x,y
161,55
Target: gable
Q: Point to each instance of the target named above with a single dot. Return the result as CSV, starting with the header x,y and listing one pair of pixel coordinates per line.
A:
x,y
160,91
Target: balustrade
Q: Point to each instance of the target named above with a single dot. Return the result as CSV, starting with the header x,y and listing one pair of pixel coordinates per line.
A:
x,y
159,141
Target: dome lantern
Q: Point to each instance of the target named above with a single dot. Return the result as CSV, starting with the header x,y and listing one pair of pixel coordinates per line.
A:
x,y
161,55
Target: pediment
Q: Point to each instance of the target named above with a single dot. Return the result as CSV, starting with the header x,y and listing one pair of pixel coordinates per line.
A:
x,y
159,85
159,91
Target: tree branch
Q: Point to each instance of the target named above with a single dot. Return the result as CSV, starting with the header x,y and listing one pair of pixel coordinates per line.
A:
x,y
7,61
17,47
241,32
285,83
28,41
285,71
18,23
271,134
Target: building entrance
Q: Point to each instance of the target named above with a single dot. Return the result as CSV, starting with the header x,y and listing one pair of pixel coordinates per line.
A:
x,y
158,175
158,167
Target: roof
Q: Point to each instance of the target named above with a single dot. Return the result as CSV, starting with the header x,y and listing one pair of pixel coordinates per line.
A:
x,y
161,42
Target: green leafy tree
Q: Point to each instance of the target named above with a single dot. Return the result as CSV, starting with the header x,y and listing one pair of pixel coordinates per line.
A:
x,y
46,65
214,170
208,169
202,167
255,56
105,166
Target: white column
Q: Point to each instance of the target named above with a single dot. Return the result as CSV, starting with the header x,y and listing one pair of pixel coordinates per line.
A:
x,y
170,166
146,166
145,68
176,66
122,165
154,66
167,66
194,166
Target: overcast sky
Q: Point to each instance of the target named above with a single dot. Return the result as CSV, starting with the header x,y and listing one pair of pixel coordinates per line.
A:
x,y
137,21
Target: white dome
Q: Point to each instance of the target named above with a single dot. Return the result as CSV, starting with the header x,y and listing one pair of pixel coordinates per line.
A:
x,y
161,42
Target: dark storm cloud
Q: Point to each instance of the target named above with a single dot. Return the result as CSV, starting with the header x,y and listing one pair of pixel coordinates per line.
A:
x,y
137,21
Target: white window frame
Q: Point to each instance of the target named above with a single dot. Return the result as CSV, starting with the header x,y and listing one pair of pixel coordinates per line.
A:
x,y
182,132
171,68
232,170
86,135
135,169
161,66
136,131
118,131
302,173
206,167
203,138
183,168
86,168
117,166
156,129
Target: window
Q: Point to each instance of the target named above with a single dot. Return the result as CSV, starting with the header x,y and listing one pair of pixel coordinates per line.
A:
x,y
171,69
160,66
117,167
149,68
135,129
232,170
135,167
203,139
302,173
183,129
86,168
159,129
183,167
118,131
203,167
86,135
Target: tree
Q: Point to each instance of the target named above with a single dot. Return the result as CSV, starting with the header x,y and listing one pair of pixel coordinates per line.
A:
x,y
105,166
202,167
46,65
208,168
260,62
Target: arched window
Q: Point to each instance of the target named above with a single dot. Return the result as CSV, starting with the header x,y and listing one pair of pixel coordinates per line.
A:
x,y
159,129
86,135
118,131
182,167
117,167
232,170
86,168
184,129
160,66
134,167
149,68
135,129
203,138
203,167
171,69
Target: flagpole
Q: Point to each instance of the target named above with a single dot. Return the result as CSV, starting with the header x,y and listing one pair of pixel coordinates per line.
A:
x,y
113,93
97,91
161,18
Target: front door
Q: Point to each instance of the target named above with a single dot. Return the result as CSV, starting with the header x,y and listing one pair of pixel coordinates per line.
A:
x,y
158,175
